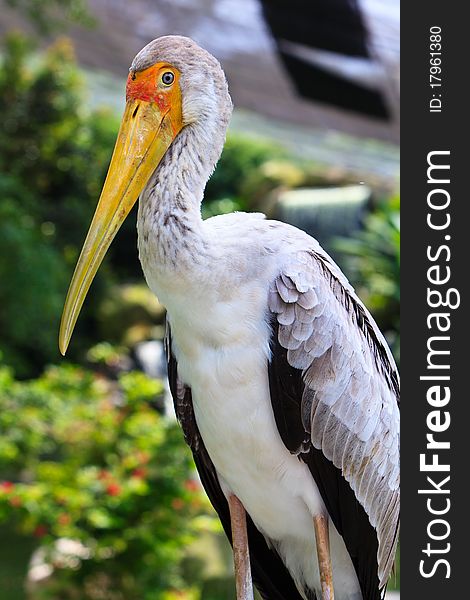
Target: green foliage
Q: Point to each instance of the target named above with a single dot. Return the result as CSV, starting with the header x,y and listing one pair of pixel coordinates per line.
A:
x,y
32,276
230,187
52,163
86,460
373,266
129,314
48,143
48,16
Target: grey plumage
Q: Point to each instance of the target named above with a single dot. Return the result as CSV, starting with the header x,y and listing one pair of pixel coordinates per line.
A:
x,y
350,402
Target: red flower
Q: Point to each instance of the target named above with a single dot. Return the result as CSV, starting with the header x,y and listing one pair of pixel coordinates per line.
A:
x,y
63,519
7,486
40,531
139,473
16,501
191,485
143,457
177,504
113,489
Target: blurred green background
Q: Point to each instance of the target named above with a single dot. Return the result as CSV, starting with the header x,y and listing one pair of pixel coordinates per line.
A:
x,y
99,499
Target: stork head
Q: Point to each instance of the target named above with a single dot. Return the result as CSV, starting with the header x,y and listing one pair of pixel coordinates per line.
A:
x,y
173,84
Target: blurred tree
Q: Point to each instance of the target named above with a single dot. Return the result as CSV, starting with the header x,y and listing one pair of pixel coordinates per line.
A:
x,y
372,263
229,187
48,16
33,278
47,142
53,158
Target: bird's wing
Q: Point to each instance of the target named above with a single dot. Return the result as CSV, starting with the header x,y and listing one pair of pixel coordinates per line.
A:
x,y
334,389
269,572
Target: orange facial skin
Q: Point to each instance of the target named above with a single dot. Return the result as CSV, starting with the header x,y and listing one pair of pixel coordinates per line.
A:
x,y
147,86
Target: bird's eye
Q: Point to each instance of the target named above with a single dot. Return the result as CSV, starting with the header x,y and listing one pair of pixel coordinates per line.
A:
x,y
168,78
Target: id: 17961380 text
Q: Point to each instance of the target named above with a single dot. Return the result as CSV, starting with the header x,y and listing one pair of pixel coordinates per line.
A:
x,y
435,69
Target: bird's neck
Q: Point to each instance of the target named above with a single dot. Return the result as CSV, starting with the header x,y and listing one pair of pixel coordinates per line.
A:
x,y
170,226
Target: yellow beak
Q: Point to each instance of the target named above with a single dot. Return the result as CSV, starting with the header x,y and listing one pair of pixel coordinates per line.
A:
x,y
145,134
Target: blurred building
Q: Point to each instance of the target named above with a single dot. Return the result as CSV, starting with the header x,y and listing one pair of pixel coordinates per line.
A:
x,y
260,68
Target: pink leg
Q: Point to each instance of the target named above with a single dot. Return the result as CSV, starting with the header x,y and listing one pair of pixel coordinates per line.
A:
x,y
241,553
320,523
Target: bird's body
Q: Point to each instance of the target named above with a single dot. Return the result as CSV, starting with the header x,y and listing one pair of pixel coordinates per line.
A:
x,y
219,318
285,388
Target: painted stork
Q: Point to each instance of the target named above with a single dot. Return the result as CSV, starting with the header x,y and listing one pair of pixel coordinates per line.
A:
x,y
284,386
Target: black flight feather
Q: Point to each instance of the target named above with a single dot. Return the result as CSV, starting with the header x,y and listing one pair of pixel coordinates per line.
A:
x,y
349,517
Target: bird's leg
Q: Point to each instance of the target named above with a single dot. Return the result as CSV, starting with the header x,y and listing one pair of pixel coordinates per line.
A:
x,y
320,523
241,553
